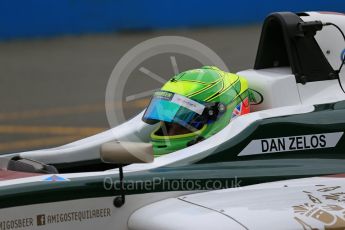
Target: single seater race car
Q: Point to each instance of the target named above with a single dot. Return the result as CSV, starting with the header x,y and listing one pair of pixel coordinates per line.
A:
x,y
295,130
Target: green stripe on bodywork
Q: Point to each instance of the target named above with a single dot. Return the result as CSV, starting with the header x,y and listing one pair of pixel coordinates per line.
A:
x,y
222,165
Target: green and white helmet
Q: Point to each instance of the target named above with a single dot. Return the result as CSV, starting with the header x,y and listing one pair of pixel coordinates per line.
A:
x,y
193,106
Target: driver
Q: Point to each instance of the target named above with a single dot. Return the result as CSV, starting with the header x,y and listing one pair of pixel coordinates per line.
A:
x,y
194,105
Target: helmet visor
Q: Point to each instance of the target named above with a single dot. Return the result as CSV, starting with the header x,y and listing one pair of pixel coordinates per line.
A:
x,y
174,108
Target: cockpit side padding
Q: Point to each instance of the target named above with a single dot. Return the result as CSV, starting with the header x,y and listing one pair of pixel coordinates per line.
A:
x,y
283,44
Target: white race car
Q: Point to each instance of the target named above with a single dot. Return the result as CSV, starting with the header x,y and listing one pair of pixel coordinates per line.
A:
x,y
295,130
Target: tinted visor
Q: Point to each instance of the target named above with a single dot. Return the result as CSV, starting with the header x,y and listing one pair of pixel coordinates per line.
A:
x,y
174,108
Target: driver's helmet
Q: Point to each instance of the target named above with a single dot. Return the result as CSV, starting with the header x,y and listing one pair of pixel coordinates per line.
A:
x,y
194,105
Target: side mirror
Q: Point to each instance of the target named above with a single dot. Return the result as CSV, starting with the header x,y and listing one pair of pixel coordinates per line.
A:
x,y
117,152
122,153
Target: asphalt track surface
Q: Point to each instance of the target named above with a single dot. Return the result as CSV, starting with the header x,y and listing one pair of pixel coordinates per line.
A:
x,y
52,90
